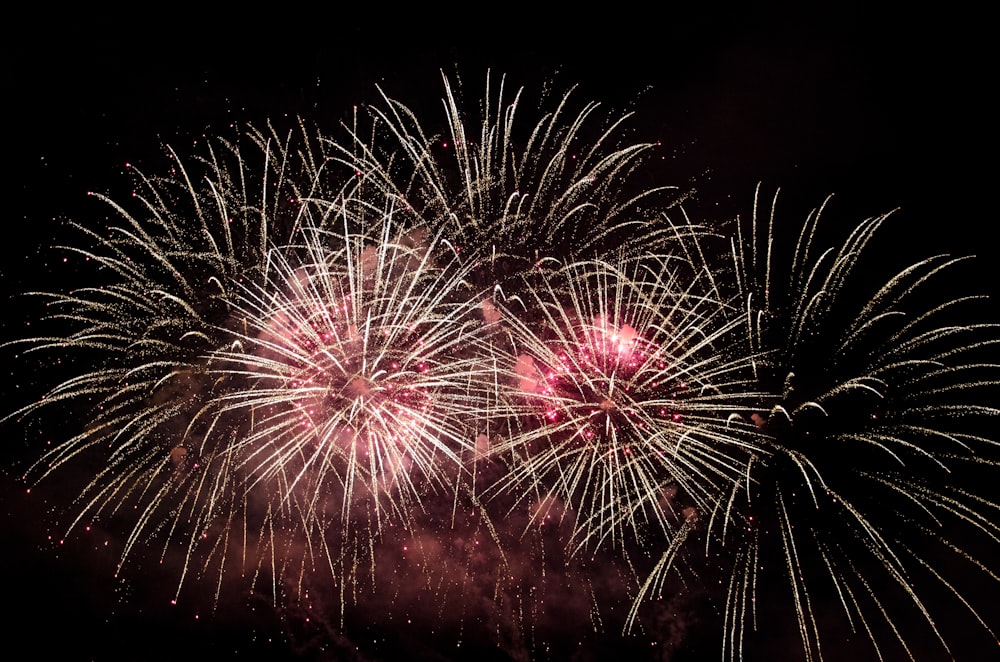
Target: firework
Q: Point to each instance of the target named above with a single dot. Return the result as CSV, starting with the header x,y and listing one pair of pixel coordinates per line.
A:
x,y
484,364
511,194
356,367
166,271
624,386
871,445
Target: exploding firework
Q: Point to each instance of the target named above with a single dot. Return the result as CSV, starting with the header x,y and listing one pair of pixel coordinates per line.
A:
x,y
485,365
624,386
163,273
872,452
357,374
180,275
511,194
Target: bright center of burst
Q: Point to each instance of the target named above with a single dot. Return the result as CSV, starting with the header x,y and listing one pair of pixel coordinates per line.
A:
x,y
358,387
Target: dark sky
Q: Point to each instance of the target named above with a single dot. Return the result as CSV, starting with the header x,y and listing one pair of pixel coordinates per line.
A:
x,y
883,109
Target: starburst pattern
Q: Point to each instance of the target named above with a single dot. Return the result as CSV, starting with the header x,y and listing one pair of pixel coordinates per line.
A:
x,y
622,385
871,443
359,362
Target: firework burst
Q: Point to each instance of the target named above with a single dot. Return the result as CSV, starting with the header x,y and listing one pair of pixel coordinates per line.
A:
x,y
622,383
871,445
507,193
357,366
164,275
485,363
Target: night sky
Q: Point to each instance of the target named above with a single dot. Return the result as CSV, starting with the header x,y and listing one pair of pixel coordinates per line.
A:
x,y
884,110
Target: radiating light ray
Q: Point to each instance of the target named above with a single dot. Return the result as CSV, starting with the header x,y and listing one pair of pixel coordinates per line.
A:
x,y
143,322
359,369
615,376
897,382
509,193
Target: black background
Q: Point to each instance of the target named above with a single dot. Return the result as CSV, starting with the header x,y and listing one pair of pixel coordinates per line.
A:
x,y
885,109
